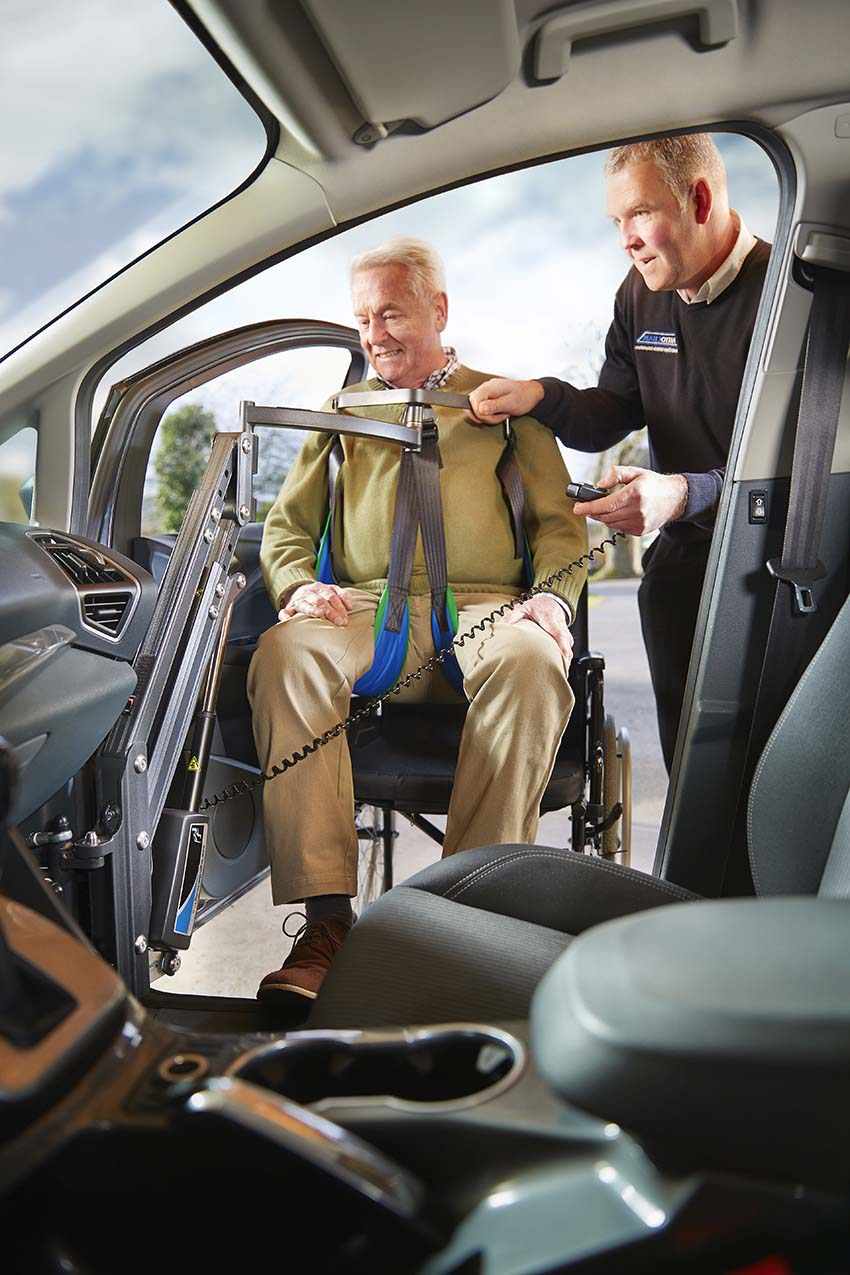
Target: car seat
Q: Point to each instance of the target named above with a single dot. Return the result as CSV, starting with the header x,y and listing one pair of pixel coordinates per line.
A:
x,y
471,936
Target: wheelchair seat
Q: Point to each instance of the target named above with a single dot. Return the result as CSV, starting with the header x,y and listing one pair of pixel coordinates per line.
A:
x,y
408,758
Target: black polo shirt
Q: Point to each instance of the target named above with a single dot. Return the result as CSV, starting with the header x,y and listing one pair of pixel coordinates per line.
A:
x,y
677,369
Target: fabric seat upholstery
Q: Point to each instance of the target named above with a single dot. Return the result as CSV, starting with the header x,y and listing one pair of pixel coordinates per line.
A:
x,y
471,937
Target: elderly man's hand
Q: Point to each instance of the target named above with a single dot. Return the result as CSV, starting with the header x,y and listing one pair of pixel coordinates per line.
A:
x,y
323,601
496,399
643,502
551,617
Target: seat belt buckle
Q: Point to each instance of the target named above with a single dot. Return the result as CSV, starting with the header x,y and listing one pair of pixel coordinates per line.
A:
x,y
800,580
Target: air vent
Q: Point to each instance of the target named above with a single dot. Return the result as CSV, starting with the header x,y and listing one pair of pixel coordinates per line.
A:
x,y
84,565
106,611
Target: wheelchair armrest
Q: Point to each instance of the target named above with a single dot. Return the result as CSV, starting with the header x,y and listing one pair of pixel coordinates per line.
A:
x,y
585,670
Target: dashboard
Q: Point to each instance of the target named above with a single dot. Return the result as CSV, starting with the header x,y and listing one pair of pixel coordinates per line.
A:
x,y
72,616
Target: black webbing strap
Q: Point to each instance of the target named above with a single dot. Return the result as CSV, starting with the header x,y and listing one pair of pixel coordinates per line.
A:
x,y
508,474
800,566
817,426
335,458
402,543
429,505
788,644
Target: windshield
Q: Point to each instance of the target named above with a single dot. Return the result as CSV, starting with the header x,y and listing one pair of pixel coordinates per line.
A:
x,y
118,129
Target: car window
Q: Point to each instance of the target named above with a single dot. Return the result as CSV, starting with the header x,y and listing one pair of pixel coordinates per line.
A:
x,y
17,475
118,128
299,378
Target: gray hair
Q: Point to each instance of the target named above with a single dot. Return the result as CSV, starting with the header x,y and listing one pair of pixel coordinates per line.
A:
x,y
680,160
422,262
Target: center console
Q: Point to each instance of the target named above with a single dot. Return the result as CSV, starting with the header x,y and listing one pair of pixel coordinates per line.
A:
x,y
449,1148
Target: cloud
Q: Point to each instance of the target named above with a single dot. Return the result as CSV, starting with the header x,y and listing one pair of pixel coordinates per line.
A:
x,y
92,70
136,131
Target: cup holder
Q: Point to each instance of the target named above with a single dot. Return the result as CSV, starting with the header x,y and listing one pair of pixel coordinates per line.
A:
x,y
455,1065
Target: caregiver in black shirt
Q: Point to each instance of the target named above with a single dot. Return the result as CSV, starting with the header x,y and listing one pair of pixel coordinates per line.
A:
x,y
674,361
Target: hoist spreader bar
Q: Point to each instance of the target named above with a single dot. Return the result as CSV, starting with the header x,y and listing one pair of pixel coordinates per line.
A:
x,y
358,426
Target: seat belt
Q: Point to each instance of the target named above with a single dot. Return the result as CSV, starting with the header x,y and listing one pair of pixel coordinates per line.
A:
x,y
799,567
324,567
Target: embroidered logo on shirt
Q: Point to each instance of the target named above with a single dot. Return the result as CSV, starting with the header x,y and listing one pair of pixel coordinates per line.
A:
x,y
663,341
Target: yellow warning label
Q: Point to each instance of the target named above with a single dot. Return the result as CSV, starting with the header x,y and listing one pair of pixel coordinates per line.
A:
x,y
194,764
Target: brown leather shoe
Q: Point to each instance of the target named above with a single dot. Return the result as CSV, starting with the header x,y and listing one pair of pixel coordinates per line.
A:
x,y
304,970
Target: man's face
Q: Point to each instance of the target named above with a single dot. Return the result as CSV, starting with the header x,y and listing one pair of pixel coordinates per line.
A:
x,y
658,234
399,331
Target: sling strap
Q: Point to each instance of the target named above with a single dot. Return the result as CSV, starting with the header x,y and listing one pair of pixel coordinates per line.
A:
x,y
324,568
508,474
426,469
402,543
429,503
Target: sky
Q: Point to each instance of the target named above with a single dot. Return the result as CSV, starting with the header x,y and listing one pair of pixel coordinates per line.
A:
x,y
105,151
118,128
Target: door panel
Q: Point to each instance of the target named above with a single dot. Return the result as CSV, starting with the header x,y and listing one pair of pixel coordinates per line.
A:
x,y
235,851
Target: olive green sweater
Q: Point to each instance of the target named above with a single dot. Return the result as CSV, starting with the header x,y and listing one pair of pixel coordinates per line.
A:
x,y
479,539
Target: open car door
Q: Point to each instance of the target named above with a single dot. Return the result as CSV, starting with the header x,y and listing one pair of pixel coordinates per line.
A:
x,y
123,515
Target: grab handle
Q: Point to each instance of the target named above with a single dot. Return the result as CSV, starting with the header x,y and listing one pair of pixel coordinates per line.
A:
x,y
718,24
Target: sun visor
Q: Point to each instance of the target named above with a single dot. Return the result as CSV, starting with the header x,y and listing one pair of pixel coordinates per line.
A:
x,y
398,68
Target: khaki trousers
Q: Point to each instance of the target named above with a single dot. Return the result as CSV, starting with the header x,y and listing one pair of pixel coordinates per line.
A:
x,y
299,685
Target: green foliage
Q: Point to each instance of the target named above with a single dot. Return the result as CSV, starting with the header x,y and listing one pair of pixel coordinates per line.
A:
x,y
184,449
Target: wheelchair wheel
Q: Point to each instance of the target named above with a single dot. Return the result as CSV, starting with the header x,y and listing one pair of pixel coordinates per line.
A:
x,y
611,786
370,857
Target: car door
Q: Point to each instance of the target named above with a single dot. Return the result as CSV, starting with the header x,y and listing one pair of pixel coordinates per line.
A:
x,y
127,511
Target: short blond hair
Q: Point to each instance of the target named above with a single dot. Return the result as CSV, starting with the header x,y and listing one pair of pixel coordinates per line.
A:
x,y
422,262
680,160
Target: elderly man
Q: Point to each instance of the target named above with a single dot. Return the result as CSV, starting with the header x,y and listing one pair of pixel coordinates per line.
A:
x,y
674,361
303,672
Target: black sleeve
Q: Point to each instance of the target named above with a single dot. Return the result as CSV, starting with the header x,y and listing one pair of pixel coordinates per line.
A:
x,y
592,420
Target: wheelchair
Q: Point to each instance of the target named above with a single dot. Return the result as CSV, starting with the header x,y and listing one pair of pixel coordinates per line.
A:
x,y
404,756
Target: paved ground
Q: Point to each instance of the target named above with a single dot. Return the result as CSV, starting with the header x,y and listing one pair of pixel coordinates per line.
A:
x,y
229,956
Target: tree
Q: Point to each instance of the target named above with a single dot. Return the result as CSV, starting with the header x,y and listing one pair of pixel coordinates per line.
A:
x,y
587,359
276,450
624,558
185,437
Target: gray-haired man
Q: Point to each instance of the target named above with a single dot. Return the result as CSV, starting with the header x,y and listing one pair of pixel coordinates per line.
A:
x,y
301,678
